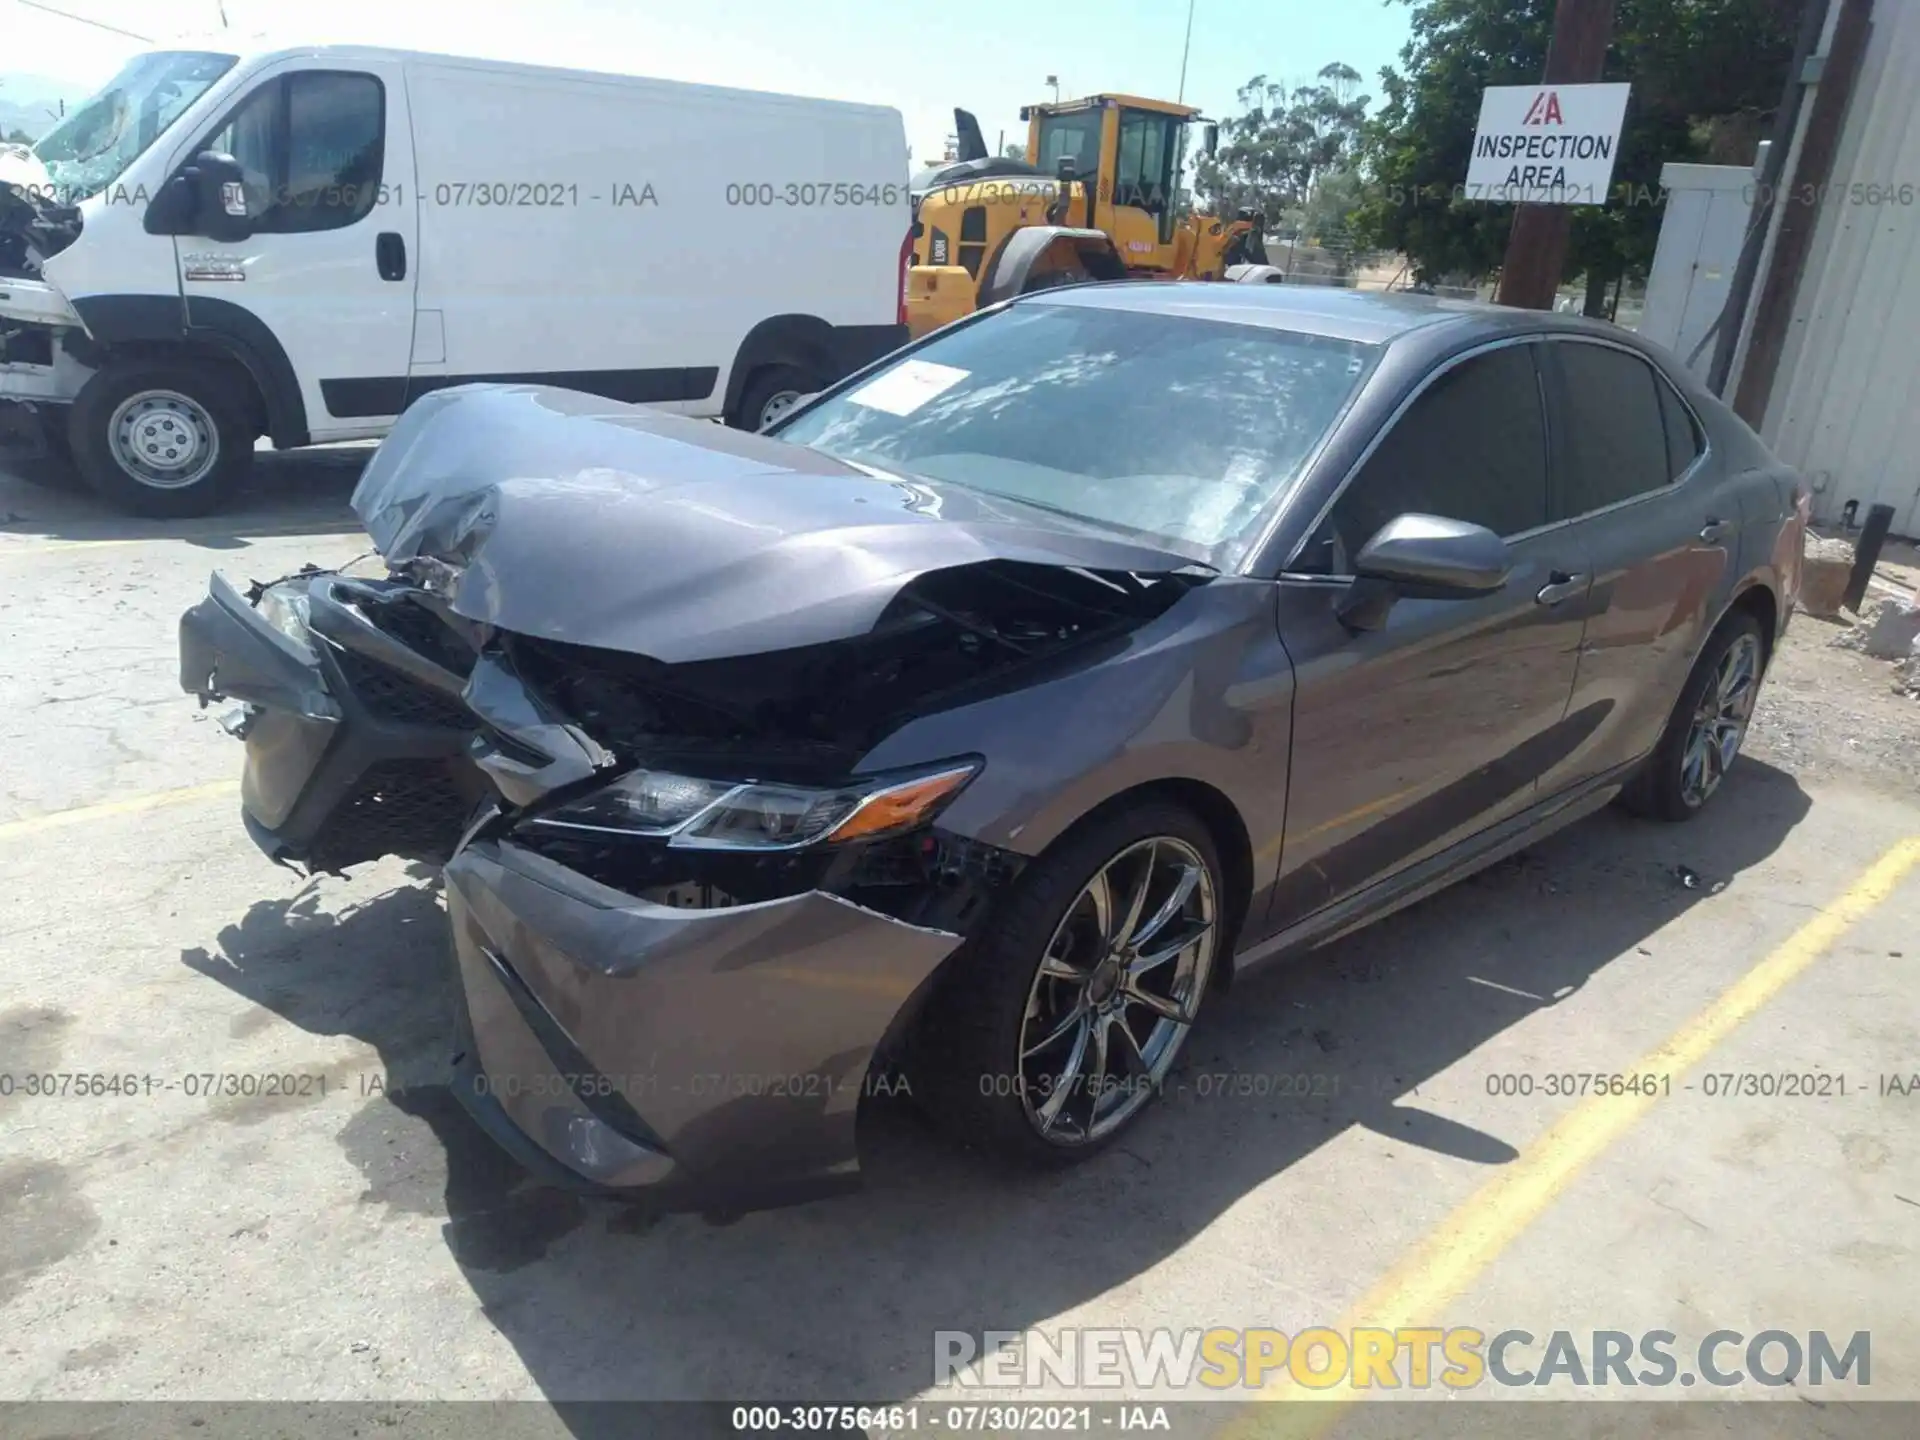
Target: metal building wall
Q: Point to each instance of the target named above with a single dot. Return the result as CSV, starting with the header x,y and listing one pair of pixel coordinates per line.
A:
x,y
1845,407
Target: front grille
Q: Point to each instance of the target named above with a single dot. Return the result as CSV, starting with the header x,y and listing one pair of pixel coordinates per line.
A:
x,y
393,696
409,808
422,632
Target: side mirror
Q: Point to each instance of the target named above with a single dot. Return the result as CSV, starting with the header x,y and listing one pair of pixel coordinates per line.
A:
x,y
1423,557
1065,171
220,197
1213,137
170,212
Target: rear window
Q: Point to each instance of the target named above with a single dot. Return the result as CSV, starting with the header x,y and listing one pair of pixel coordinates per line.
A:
x,y
1616,445
1169,427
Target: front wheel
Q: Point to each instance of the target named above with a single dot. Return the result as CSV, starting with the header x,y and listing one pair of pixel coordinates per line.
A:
x,y
1055,1031
159,438
1707,727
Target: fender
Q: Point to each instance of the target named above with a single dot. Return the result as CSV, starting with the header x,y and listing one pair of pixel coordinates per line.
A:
x,y
1022,251
203,322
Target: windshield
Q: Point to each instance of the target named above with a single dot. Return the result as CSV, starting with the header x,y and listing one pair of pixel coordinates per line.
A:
x,y
93,146
1179,429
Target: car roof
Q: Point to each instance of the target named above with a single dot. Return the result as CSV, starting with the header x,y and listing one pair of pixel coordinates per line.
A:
x,y
1370,317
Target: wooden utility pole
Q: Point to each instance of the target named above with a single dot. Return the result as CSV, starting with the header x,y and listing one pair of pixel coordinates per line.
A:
x,y
1537,245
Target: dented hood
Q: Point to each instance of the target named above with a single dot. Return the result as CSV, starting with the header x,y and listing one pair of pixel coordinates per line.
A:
x,y
572,518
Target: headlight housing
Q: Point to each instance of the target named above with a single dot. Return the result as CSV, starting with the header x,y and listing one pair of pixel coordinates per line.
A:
x,y
696,814
287,608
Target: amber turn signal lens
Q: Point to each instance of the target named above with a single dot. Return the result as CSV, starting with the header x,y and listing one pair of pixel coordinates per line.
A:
x,y
901,807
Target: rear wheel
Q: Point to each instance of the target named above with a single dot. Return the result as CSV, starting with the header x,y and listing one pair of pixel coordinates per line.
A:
x,y
1053,1034
1707,727
770,394
160,438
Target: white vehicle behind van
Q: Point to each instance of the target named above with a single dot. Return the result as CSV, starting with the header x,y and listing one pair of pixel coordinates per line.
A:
x,y
297,243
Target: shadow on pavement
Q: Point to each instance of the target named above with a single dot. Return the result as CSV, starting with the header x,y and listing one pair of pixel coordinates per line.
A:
x,y
840,1298
290,492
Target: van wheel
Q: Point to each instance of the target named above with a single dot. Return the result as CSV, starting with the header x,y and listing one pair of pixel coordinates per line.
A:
x,y
160,438
771,393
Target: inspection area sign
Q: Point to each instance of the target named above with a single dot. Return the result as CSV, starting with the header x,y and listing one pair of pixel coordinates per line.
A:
x,y
1547,144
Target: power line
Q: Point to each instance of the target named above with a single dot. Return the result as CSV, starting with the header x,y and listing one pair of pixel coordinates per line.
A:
x,y
83,20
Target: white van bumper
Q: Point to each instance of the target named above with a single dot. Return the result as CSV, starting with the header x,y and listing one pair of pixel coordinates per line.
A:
x,y
38,377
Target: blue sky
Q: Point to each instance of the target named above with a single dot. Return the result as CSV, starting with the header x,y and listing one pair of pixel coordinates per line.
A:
x,y
989,56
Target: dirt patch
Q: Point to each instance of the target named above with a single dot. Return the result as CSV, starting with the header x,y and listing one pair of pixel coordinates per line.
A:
x,y
1828,712
43,1219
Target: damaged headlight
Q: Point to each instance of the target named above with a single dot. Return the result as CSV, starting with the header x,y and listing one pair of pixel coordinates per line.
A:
x,y
700,814
287,608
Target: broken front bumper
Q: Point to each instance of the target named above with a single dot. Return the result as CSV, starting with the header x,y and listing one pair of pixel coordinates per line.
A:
x,y
703,1058
356,744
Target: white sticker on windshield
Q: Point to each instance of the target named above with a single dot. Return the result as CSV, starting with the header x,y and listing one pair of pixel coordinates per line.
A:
x,y
908,386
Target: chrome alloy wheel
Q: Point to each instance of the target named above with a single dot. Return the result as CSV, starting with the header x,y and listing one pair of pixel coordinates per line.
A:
x,y
163,439
1116,991
1720,721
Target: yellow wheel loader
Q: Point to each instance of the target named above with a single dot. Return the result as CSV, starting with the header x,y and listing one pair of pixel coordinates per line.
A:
x,y
1094,199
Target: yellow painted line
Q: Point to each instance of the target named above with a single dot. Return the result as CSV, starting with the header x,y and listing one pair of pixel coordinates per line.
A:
x,y
1459,1250
57,547
107,809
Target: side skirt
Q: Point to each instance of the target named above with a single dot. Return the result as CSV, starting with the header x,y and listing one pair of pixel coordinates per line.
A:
x,y
1437,872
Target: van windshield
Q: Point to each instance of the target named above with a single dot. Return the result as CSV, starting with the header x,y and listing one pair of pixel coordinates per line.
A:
x,y
93,146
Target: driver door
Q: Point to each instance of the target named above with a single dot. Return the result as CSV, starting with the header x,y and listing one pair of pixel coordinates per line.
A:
x,y
328,269
1414,736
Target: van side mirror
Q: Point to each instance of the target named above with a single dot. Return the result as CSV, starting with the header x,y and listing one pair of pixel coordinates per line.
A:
x,y
220,196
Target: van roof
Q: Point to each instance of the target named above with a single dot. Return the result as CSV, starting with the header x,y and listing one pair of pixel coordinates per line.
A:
x,y
262,47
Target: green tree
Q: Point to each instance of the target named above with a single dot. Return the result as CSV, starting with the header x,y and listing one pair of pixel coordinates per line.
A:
x,y
1275,153
1014,150
1690,62
18,136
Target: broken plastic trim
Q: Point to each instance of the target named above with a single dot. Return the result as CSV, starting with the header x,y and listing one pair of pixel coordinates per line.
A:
x,y
808,714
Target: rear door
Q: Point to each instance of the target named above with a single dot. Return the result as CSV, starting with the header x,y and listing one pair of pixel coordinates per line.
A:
x,y
1658,526
329,267
1412,737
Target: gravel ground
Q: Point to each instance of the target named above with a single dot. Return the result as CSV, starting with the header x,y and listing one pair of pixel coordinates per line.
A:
x,y
1830,712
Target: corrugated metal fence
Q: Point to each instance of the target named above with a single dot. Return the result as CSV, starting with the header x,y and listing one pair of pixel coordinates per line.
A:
x,y
1846,406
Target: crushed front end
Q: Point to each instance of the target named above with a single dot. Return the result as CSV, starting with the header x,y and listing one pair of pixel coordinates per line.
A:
x,y
694,924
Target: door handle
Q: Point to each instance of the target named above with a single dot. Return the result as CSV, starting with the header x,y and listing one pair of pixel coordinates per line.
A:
x,y
1716,530
390,255
1561,586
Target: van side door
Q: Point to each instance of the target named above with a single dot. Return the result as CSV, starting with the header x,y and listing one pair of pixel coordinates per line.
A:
x,y
326,275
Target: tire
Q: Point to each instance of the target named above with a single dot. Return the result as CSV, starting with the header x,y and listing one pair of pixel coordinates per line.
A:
x,y
967,1056
770,392
1668,787
138,409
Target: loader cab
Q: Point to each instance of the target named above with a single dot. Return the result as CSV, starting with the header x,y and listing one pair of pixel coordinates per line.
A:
x,y
1136,148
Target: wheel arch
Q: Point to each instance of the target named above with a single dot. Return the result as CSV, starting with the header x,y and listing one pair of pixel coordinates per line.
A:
x,y
1013,265
201,330
1757,598
1232,842
805,342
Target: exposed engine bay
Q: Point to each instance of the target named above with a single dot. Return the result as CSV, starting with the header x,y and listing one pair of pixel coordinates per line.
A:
x,y
33,226
471,692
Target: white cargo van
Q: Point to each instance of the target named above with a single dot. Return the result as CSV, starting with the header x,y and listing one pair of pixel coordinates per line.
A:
x,y
298,242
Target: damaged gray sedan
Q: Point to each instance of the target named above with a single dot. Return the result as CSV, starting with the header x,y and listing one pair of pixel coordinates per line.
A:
x,y
980,721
